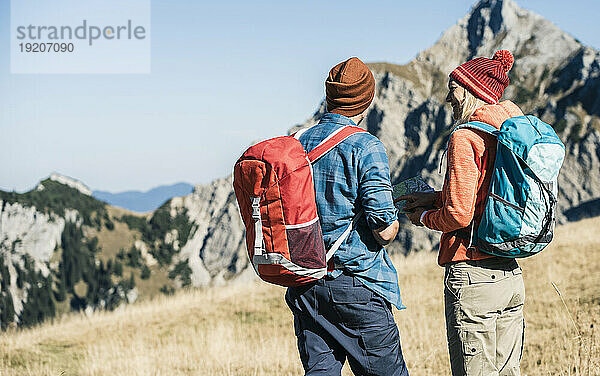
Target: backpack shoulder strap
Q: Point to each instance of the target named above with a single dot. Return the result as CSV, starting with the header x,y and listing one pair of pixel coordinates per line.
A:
x,y
467,233
478,125
332,141
328,143
299,132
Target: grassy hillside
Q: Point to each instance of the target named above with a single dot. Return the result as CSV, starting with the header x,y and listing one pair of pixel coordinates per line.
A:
x,y
246,329
122,237
107,256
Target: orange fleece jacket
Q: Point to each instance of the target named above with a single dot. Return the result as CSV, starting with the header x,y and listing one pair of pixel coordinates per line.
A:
x,y
471,156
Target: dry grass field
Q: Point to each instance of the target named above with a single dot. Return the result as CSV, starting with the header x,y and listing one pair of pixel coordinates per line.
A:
x,y
246,329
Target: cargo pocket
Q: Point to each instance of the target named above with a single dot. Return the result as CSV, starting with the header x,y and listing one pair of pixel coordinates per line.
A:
x,y
478,275
378,340
473,358
381,349
352,305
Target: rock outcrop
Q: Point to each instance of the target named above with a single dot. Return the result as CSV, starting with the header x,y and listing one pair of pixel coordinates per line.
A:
x,y
216,250
68,181
46,256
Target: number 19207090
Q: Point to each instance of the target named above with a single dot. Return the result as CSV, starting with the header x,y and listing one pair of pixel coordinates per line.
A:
x,y
46,47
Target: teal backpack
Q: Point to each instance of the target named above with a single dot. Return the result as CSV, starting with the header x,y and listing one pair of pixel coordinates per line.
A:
x,y
520,208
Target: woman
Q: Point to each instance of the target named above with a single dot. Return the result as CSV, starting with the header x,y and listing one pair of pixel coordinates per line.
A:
x,y
483,294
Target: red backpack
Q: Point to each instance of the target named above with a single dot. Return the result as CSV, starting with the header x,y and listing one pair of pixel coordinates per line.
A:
x,y
275,192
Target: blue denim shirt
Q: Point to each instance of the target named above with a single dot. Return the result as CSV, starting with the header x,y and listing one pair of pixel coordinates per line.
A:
x,y
354,177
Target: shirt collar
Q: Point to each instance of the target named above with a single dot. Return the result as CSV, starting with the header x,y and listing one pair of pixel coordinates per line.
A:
x,y
330,117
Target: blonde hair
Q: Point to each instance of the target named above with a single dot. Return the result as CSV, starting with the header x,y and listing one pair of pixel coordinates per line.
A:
x,y
469,105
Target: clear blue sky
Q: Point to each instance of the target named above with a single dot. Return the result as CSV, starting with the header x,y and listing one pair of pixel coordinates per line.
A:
x,y
224,73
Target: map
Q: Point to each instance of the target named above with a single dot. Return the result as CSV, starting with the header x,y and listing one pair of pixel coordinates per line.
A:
x,y
408,186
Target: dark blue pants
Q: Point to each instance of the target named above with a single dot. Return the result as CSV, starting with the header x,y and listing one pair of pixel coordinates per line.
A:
x,y
340,318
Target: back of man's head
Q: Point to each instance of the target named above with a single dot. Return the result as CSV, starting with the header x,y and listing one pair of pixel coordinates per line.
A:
x,y
350,88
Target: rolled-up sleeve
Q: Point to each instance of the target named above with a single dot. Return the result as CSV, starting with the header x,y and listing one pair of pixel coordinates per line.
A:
x,y
374,186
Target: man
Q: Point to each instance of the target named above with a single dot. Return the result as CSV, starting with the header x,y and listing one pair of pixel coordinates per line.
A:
x,y
348,313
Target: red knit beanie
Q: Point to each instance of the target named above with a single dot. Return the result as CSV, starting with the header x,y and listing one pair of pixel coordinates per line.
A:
x,y
485,78
350,88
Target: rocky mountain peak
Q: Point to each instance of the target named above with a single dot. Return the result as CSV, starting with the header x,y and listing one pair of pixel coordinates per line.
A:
x,y
554,77
68,181
489,18
501,24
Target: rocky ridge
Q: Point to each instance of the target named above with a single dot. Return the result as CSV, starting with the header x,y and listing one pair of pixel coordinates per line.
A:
x,y
216,251
68,181
49,256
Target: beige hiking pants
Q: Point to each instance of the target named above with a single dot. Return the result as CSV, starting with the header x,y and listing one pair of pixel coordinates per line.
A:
x,y
484,317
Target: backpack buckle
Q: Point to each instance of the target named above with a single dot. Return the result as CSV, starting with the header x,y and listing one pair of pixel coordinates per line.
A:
x,y
258,239
256,208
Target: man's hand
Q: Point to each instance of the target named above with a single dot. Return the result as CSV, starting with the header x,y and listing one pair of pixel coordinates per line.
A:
x,y
384,235
418,199
415,216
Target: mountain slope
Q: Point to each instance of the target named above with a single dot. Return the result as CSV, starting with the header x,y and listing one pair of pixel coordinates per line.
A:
x,y
63,250
246,328
142,202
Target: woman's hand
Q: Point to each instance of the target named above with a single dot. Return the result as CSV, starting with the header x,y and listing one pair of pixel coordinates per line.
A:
x,y
418,199
415,216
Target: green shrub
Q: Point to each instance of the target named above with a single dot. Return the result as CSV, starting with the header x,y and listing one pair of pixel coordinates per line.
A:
x,y
560,126
145,272
183,271
167,290
7,311
154,231
40,303
117,268
134,257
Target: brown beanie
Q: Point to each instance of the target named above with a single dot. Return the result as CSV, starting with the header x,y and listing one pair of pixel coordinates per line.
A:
x,y
350,88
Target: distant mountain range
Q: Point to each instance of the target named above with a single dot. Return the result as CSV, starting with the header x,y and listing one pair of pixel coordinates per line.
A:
x,y
142,202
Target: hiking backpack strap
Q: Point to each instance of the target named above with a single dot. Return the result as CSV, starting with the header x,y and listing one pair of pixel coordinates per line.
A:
x,y
325,146
343,237
468,233
478,125
331,141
